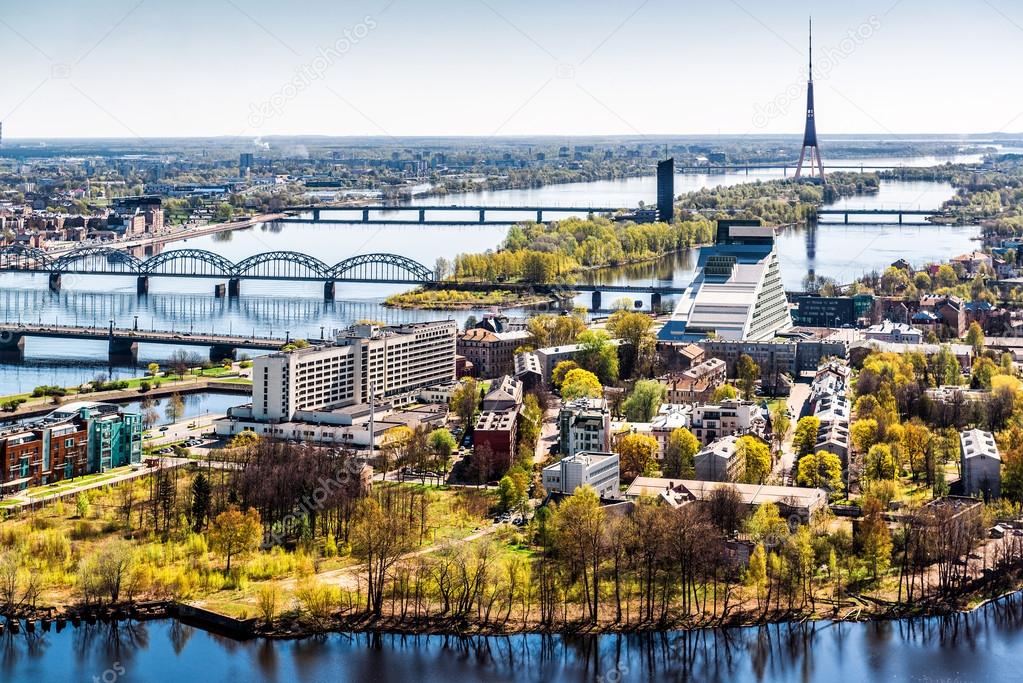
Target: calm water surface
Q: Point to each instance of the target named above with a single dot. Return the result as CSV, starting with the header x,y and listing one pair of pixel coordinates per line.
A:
x,y
983,646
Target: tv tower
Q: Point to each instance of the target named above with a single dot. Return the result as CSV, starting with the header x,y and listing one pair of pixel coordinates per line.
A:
x,y
810,133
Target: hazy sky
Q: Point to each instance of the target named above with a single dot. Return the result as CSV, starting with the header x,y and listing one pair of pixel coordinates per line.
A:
x,y
502,67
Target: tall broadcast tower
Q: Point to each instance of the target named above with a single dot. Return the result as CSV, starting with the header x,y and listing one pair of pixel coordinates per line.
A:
x,y
810,133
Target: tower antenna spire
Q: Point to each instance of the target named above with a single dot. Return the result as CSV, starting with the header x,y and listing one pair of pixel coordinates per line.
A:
x,y
810,132
811,48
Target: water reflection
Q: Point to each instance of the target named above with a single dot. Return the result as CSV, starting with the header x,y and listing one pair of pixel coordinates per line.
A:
x,y
980,646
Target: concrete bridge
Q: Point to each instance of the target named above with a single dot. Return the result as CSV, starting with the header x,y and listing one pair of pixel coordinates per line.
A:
x,y
846,213
365,213
123,343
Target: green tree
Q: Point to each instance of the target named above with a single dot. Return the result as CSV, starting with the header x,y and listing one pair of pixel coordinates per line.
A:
x,y
559,372
634,328
875,539
945,367
766,525
946,276
598,355
235,533
975,338
984,369
820,470
679,452
442,444
580,383
464,401
780,424
757,458
579,536
202,496
638,455
747,373
513,488
879,463
725,392
756,573
644,401
805,438
244,439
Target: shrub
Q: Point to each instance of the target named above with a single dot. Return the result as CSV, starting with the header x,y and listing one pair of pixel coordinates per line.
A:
x,y
318,600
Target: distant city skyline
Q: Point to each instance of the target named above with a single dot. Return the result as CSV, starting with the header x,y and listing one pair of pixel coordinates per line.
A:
x,y
141,68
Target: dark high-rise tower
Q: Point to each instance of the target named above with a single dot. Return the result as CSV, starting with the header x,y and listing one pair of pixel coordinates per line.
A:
x,y
666,190
810,134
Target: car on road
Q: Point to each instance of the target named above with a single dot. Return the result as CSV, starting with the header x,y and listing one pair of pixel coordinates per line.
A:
x,y
164,428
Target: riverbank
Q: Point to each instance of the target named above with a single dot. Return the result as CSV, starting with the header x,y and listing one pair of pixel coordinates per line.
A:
x,y
293,628
220,382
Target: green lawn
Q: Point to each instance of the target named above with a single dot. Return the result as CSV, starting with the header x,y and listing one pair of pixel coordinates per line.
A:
x,y
68,485
165,378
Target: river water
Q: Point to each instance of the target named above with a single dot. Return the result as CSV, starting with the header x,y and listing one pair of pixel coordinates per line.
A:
x,y
982,646
275,308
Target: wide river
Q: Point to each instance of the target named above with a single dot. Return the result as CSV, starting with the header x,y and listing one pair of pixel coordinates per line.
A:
x,y
982,646
275,308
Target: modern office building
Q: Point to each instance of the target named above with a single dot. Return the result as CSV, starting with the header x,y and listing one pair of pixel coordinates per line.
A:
x,y
391,364
666,190
737,292
599,470
585,425
76,439
832,311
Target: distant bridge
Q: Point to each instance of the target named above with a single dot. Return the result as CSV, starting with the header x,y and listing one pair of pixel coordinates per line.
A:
x,y
846,213
198,263
421,211
123,343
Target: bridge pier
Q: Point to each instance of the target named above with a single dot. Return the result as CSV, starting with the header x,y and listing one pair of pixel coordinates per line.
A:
x,y
316,214
234,287
54,282
365,215
483,215
595,302
422,215
847,219
219,290
900,218
126,350
12,346
219,352
539,215
655,302
329,290
142,285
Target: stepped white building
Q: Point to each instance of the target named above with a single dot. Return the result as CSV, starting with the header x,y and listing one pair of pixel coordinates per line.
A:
x,y
737,292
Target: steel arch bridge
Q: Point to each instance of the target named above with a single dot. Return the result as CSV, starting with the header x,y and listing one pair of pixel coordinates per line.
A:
x,y
380,268
20,257
199,263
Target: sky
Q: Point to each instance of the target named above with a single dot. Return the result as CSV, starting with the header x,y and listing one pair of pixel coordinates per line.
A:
x,y
251,68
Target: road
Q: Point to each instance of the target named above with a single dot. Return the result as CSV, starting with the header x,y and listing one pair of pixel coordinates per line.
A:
x,y
797,403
